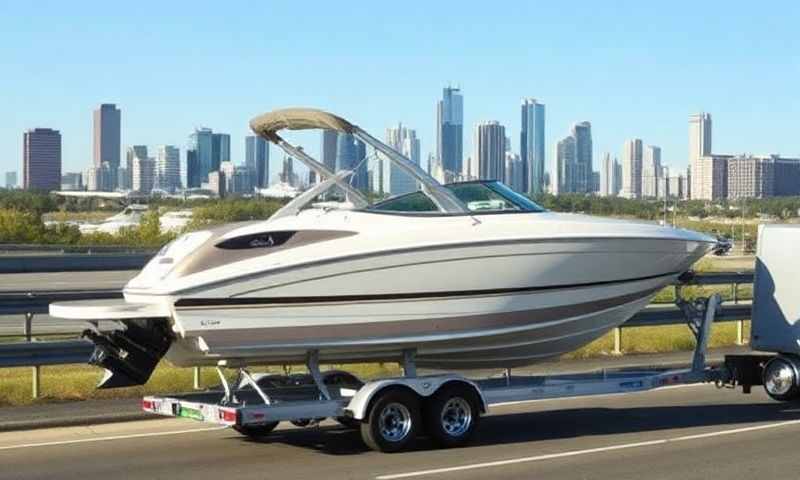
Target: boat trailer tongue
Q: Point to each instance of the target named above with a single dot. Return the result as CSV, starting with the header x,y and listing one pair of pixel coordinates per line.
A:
x,y
129,356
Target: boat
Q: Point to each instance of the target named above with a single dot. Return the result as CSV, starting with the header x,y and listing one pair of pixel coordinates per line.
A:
x,y
461,276
129,217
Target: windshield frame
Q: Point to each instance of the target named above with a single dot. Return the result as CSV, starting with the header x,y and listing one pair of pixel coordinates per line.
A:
x,y
523,204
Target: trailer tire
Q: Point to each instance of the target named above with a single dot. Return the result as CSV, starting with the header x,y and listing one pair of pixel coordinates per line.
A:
x,y
392,421
782,379
255,431
451,415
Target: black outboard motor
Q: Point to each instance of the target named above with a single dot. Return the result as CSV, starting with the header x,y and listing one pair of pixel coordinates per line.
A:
x,y
129,356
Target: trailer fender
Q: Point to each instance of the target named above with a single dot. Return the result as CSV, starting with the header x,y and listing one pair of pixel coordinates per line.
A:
x,y
426,386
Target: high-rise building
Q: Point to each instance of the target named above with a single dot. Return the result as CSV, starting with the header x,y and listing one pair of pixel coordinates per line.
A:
x,y
194,176
41,159
11,180
531,148
787,176
143,175
607,176
131,153
215,183
632,169
488,162
210,150
330,139
514,172
450,130
699,147
71,181
617,186
220,149
168,168
351,154
237,178
107,139
651,171
404,140
257,159
582,132
751,177
675,187
565,166
710,177
287,174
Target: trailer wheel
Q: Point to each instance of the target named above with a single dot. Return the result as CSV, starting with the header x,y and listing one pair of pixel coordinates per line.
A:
x,y
392,421
781,379
452,414
255,431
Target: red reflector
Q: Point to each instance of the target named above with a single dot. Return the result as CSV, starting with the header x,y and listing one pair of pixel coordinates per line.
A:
x,y
228,415
147,405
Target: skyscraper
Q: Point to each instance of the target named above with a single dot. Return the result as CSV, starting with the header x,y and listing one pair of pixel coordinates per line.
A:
x,y
582,132
565,166
201,156
220,149
514,169
41,159
107,139
328,148
405,141
489,158
606,176
168,168
531,150
131,153
350,155
257,160
699,147
632,169
450,130
651,171
194,177
143,175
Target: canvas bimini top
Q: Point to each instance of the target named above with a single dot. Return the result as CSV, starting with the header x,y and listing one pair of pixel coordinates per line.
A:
x,y
269,124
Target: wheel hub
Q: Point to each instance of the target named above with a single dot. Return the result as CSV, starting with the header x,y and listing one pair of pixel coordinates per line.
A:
x,y
780,378
456,416
395,422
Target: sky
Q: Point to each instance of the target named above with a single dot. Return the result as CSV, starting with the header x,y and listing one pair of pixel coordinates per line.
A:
x,y
634,69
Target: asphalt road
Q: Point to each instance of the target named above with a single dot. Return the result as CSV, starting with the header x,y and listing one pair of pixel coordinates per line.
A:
x,y
677,433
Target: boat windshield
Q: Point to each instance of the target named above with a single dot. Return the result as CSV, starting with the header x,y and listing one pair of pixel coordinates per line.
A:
x,y
479,197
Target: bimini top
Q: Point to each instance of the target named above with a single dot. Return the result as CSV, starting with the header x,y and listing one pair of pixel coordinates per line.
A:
x,y
268,124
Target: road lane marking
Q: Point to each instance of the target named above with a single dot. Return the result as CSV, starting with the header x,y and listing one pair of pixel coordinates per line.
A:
x,y
108,438
574,453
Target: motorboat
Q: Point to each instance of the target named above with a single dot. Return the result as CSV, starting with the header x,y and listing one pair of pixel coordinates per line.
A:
x,y
129,217
466,275
175,220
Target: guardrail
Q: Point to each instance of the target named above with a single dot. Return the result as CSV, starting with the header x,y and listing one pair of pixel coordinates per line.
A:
x,y
96,262
38,353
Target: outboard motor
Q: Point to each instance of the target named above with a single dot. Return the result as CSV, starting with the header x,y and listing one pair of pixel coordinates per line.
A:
x,y
129,356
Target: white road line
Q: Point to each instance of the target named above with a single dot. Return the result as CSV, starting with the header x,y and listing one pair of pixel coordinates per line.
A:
x,y
574,453
113,437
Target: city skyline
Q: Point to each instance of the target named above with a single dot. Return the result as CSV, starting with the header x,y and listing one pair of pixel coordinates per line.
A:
x,y
624,97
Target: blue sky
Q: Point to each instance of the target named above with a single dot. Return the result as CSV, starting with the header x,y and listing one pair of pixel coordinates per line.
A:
x,y
632,68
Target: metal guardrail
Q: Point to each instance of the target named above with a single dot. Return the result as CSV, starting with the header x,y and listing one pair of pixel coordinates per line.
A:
x,y
26,354
99,262
7,248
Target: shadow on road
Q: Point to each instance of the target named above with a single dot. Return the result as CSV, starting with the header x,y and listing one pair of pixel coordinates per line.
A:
x,y
525,427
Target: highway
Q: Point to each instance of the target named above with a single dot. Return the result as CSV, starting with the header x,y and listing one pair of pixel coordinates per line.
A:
x,y
673,433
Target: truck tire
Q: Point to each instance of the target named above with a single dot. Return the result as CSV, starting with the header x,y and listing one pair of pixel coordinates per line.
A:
x,y
451,415
392,421
782,379
255,431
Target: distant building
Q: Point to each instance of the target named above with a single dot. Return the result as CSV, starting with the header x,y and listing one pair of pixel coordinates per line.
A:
x,y
71,181
514,172
532,146
131,153
700,147
287,174
710,177
216,183
488,162
632,169
651,171
617,177
450,131
209,150
11,180
351,154
257,159
750,177
328,148
608,181
107,140
396,181
565,174
787,176
238,179
582,179
143,175
220,149
675,188
168,168
41,159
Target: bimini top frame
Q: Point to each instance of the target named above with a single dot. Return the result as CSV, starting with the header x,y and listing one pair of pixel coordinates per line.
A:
x,y
269,124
